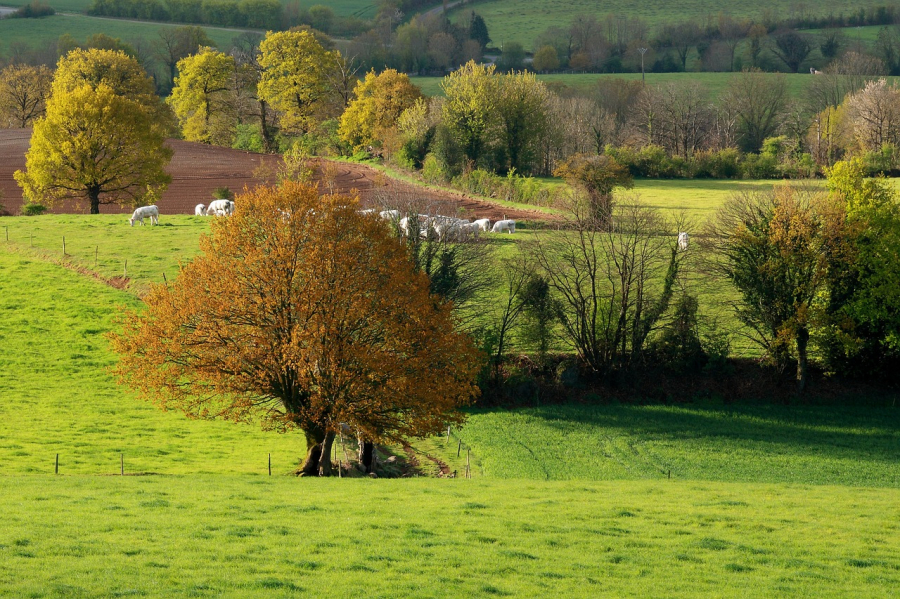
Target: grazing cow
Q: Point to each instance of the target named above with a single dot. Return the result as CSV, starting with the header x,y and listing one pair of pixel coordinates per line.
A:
x,y
389,214
220,208
504,226
484,224
682,241
151,212
200,210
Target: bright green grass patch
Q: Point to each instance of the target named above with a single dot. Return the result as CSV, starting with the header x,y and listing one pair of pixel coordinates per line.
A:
x,y
851,446
149,251
254,536
36,33
524,20
57,398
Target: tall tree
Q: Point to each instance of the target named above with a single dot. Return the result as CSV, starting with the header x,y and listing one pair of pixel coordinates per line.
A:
x,y
380,100
471,94
293,79
792,48
202,98
525,114
478,30
175,43
23,94
346,332
757,100
95,145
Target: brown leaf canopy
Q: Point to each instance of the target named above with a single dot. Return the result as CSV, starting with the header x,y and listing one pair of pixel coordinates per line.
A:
x,y
303,313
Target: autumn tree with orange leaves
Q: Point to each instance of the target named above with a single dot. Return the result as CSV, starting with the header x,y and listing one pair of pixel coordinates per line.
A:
x,y
304,314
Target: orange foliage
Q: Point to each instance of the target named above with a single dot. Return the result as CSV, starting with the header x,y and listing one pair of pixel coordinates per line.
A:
x,y
305,314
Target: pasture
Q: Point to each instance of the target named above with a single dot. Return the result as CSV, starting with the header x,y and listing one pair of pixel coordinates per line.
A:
x,y
715,83
365,9
524,20
43,33
574,500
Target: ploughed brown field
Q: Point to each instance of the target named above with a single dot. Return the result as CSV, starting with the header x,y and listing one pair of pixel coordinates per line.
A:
x,y
198,169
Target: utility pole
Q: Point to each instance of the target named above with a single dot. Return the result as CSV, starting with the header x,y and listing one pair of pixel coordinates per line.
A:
x,y
642,51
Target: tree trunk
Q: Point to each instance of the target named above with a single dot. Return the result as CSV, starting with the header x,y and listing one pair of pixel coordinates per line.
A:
x,y
325,466
94,197
310,465
802,342
366,455
268,145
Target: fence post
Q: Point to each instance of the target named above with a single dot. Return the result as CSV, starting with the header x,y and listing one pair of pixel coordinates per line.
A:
x,y
122,457
459,448
7,234
125,272
270,464
448,433
56,470
64,245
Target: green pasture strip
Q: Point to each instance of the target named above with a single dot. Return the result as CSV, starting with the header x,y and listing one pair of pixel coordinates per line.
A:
x,y
846,445
37,33
715,83
150,251
225,536
57,398
524,20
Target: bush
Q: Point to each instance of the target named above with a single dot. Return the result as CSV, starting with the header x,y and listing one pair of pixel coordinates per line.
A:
x,y
33,209
223,193
35,10
722,164
433,170
678,346
650,161
760,166
249,138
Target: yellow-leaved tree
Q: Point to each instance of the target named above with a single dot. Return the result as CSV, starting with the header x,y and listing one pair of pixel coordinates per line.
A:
x,y
102,139
23,94
201,97
294,76
301,313
373,114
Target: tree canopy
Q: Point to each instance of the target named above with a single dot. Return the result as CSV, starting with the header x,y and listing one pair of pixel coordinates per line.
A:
x,y
200,98
304,314
380,100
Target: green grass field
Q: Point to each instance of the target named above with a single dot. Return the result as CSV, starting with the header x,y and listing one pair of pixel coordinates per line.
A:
x,y
524,20
715,83
362,8
763,500
38,33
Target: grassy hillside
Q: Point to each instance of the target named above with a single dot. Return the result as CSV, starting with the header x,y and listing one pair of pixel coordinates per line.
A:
x,y
37,33
210,523
524,20
250,536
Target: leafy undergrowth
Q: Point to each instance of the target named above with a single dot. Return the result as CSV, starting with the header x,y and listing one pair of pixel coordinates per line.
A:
x,y
277,537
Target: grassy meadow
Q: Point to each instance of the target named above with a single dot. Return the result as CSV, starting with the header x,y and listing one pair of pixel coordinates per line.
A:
x,y
40,33
524,20
573,500
360,8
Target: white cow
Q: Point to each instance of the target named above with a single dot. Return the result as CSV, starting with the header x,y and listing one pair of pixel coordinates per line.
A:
x,y
220,208
484,224
683,241
389,214
200,210
151,212
504,226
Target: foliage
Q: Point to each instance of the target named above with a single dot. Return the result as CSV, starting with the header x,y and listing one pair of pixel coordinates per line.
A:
x,y
293,79
758,103
523,108
33,209
318,349
380,100
775,248
471,94
95,145
545,59
35,10
678,345
598,176
23,94
122,74
201,97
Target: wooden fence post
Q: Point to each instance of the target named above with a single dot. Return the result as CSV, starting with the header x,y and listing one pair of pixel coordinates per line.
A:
x,y
122,457
56,470
270,464
64,245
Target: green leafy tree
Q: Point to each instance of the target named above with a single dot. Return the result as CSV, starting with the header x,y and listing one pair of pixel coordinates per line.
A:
x,y
478,30
201,98
597,176
97,146
545,59
469,111
524,110
294,77
380,100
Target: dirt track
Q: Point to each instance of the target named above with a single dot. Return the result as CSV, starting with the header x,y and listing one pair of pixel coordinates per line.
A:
x,y
198,169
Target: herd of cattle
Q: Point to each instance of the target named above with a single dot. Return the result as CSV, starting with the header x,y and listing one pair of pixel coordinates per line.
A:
x,y
425,225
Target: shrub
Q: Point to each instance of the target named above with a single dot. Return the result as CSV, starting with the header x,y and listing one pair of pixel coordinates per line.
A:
x,y
760,166
223,193
34,10
433,171
722,164
249,138
678,346
33,209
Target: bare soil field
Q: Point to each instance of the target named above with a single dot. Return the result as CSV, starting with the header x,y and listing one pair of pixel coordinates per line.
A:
x,y
198,169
